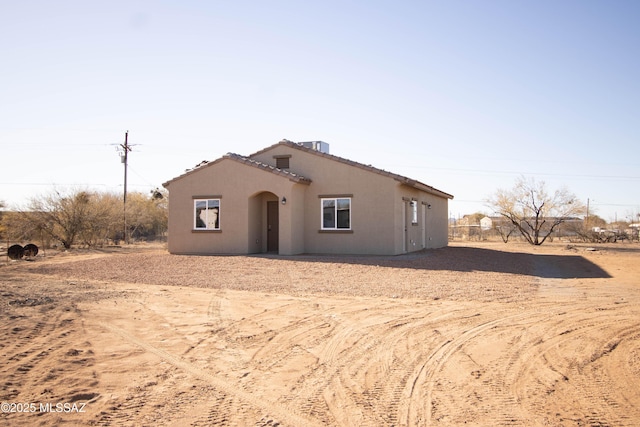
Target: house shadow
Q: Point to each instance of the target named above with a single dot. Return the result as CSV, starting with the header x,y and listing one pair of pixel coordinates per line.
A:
x,y
470,259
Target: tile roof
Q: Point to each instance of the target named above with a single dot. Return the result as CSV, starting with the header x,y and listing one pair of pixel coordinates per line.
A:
x,y
402,179
249,162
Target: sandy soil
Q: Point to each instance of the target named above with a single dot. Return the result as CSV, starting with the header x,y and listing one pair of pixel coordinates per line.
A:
x,y
484,335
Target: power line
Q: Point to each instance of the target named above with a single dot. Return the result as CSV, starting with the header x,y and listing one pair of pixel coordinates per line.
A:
x,y
75,184
52,184
501,172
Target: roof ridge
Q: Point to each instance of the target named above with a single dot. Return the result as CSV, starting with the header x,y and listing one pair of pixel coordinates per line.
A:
x,y
249,160
400,178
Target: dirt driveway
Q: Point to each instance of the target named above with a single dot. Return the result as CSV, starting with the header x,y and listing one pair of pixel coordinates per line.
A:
x,y
484,335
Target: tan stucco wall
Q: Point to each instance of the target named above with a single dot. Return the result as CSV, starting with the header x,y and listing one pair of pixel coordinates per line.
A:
x,y
241,219
378,208
431,229
438,223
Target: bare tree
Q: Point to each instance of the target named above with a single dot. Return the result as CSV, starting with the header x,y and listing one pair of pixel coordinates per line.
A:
x,y
14,228
505,228
533,211
146,215
86,217
103,219
61,216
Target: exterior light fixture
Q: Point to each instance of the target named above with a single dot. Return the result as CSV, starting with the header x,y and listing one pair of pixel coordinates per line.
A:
x,y
284,200
429,206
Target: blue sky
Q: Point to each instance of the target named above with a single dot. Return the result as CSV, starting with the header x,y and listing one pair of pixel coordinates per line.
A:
x,y
465,96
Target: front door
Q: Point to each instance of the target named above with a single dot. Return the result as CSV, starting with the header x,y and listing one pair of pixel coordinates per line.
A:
x,y
272,226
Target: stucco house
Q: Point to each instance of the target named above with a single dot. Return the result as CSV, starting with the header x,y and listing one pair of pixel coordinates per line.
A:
x,y
293,198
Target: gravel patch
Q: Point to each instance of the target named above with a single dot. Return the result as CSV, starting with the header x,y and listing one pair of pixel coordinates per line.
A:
x,y
454,273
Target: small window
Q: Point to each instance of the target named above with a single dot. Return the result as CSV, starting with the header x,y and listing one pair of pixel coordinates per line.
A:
x,y
207,214
282,162
336,214
414,212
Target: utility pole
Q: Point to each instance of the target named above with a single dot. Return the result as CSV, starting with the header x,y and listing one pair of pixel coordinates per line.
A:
x,y
125,155
587,219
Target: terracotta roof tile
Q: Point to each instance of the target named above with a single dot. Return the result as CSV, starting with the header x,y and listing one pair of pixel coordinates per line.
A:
x,y
402,179
247,160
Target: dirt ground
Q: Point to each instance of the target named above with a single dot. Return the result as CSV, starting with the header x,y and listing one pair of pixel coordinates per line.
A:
x,y
482,334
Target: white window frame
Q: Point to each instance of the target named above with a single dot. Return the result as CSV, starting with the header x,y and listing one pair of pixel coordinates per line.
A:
x,y
335,213
210,205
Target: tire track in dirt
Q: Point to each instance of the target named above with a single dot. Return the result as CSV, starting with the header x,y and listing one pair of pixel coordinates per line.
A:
x,y
536,361
322,335
283,414
407,337
214,311
323,387
417,409
372,352
286,343
600,387
269,336
548,361
352,382
343,356
40,331
507,376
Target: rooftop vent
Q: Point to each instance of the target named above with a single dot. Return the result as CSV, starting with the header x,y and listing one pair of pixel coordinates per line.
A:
x,y
321,146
